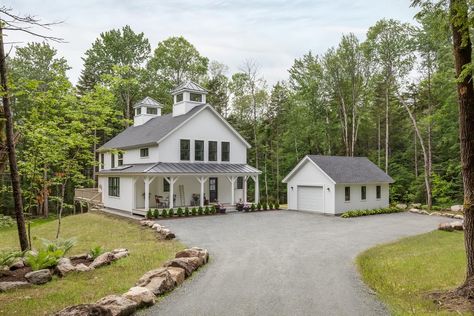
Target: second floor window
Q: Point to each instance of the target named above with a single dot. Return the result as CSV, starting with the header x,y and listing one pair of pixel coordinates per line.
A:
x,y
363,193
184,148
347,194
138,111
179,97
112,160
212,151
120,159
199,150
151,111
225,154
143,152
196,97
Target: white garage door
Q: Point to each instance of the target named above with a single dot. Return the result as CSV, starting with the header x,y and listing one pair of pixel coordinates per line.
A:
x,y
310,198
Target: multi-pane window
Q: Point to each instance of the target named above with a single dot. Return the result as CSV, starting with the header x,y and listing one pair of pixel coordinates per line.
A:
x,y
166,185
143,152
240,183
120,159
184,149
225,151
347,194
114,186
378,192
102,160
112,160
199,150
363,193
151,111
196,97
212,151
138,111
179,97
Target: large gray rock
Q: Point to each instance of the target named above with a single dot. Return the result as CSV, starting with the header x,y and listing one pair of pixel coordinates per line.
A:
x,y
80,256
457,225
140,295
82,268
416,205
102,260
189,264
118,305
5,286
177,274
158,281
18,264
457,208
39,277
166,233
401,206
120,253
64,267
84,310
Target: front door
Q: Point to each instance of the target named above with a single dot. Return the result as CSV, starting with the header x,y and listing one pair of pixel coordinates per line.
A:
x,y
212,190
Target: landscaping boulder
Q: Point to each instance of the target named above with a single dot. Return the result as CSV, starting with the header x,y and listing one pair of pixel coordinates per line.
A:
x,y
5,286
401,206
177,274
82,268
140,295
39,277
188,264
64,267
194,252
166,234
457,208
80,256
118,305
84,310
102,260
158,281
203,253
157,226
19,264
458,217
457,225
120,253
416,205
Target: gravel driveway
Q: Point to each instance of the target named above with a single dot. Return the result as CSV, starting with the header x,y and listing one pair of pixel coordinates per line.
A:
x,y
283,263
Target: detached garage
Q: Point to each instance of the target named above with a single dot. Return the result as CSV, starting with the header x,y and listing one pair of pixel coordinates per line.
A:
x,y
336,184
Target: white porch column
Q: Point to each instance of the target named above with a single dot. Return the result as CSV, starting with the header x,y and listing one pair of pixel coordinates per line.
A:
x,y
201,180
171,181
245,188
134,192
148,181
232,180
257,189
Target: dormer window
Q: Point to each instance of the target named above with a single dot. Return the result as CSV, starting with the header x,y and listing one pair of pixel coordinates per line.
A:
x,y
120,159
195,97
138,111
179,97
153,111
143,152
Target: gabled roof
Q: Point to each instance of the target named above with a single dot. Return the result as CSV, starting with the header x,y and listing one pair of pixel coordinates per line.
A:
x,y
148,102
341,169
159,128
189,86
184,168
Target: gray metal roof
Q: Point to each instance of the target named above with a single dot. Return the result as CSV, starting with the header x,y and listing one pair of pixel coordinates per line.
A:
x,y
351,169
149,133
189,86
148,102
184,168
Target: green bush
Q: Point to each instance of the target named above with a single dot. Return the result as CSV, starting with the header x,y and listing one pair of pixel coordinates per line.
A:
x,y
45,258
149,214
156,214
206,210
200,210
59,244
186,211
265,206
96,251
194,212
277,205
171,213
270,206
357,213
8,257
164,213
252,207
179,212
259,206
6,221
213,209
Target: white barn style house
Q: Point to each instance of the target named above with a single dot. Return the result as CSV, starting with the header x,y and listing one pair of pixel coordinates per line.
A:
x,y
191,156
336,184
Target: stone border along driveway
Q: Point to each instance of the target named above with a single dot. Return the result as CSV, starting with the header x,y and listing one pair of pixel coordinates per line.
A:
x,y
284,263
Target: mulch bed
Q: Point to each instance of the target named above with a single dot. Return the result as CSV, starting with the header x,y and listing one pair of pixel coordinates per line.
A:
x,y
452,301
87,262
15,275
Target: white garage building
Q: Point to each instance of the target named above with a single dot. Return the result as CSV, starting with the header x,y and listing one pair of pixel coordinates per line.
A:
x,y
336,184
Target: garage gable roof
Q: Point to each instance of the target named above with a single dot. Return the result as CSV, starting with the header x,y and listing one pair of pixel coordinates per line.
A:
x,y
341,169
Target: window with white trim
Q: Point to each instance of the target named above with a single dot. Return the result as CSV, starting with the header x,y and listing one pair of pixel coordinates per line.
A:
x,y
114,186
143,152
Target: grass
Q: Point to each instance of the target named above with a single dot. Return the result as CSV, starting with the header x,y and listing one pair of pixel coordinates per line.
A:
x,y
90,229
402,273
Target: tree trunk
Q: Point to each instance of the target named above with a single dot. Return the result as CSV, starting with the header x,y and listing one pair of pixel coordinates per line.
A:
x,y
378,141
17,197
61,207
462,48
386,127
45,193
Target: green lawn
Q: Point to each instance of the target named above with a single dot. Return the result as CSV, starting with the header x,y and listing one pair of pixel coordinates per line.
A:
x,y
90,229
403,272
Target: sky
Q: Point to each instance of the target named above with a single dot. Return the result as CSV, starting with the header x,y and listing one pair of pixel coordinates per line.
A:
x,y
270,32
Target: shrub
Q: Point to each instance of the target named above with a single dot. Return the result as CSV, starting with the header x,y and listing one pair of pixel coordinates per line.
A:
x,y
213,209
206,210
171,213
149,214
277,205
357,213
259,206
59,244
156,214
265,206
200,210
164,213
270,206
96,251
8,257
45,258
179,212
194,212
252,207
186,211
6,221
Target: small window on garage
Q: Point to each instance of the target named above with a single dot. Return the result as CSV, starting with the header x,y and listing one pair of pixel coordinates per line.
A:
x,y
363,193
378,192
347,194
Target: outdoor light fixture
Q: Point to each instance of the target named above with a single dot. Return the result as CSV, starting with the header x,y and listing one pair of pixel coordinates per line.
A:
x,y
291,188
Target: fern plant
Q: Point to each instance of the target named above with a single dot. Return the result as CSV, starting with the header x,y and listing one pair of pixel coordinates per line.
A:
x,y
8,257
45,258
96,251
59,244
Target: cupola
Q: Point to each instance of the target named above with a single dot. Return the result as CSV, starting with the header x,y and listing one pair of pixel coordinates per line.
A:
x,y
186,96
145,110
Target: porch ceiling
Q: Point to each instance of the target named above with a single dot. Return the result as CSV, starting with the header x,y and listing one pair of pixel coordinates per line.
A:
x,y
198,168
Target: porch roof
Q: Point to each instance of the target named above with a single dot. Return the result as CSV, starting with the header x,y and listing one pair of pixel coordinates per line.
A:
x,y
183,168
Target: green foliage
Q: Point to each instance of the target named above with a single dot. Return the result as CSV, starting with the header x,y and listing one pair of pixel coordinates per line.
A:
x,y
277,205
206,210
194,211
44,259
164,213
171,212
357,213
156,213
96,251
149,214
265,206
259,206
200,210
6,221
252,207
186,211
179,212
63,245
8,257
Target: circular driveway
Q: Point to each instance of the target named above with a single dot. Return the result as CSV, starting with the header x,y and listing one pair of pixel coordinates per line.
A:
x,y
283,263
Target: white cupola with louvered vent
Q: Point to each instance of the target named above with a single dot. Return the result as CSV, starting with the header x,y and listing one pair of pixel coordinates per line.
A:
x,y
145,110
186,96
